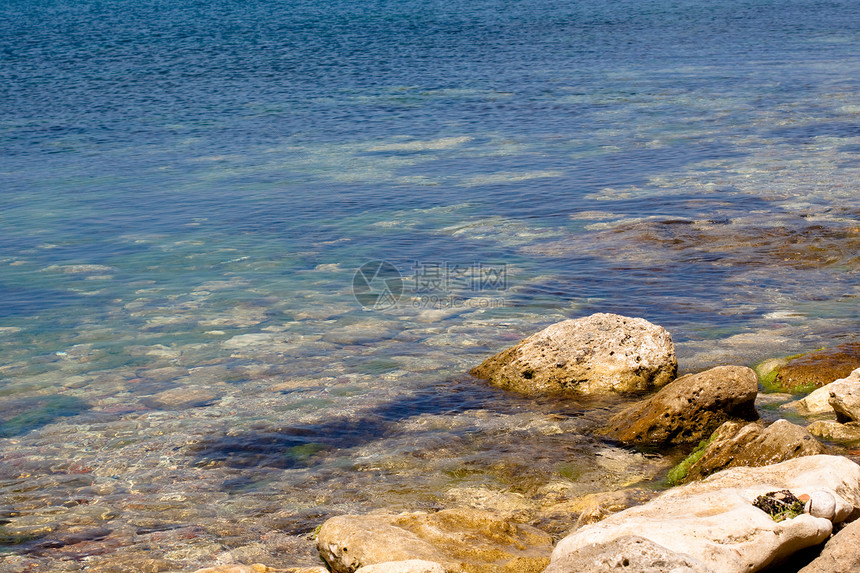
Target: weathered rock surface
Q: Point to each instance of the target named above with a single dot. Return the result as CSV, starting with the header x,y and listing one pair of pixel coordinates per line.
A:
x,y
461,540
845,401
840,555
834,431
689,409
714,521
818,401
817,369
410,566
596,354
631,554
752,444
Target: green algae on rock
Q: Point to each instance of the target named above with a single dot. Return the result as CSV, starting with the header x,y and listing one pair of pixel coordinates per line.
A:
x,y
816,369
752,444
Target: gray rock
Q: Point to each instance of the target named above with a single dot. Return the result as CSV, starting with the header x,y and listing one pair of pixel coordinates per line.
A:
x,y
460,540
840,555
714,521
632,554
689,409
596,354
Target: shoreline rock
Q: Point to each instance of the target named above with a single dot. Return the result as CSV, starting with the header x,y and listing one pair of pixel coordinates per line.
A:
x,y
818,401
629,553
736,444
819,368
688,409
596,354
714,521
840,555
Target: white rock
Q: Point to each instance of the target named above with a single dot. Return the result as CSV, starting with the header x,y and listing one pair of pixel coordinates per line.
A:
x,y
715,522
818,401
821,504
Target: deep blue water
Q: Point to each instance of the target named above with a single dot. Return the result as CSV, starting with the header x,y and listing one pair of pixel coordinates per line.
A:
x,y
192,186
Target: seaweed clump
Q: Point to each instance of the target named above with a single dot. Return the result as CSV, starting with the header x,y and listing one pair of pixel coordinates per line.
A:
x,y
780,505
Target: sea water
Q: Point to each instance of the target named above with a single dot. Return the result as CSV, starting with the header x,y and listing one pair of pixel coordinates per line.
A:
x,y
249,250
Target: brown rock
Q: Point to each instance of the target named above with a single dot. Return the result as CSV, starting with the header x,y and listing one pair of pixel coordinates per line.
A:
x,y
688,409
595,354
461,540
816,369
840,555
752,445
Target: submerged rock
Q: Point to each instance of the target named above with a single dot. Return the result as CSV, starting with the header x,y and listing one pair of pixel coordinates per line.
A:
x,y
834,431
630,553
840,555
688,409
598,506
460,540
255,568
410,566
598,353
754,445
714,520
817,369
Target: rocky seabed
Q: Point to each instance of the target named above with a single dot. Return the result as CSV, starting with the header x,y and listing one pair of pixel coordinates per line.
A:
x,y
753,495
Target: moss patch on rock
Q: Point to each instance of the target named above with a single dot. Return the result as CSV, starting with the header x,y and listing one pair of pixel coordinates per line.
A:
x,y
677,474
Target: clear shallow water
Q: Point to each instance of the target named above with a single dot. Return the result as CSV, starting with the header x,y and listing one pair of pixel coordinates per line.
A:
x,y
186,194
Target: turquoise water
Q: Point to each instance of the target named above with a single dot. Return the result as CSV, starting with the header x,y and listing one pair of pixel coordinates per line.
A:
x,y
187,192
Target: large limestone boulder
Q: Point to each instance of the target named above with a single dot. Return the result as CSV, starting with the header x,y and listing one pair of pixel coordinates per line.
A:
x,y
596,354
688,409
715,522
840,555
818,401
631,554
817,369
460,540
748,444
